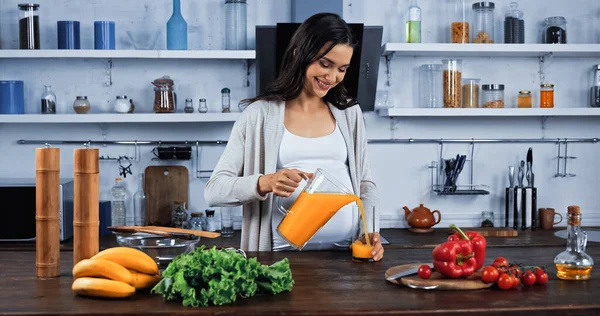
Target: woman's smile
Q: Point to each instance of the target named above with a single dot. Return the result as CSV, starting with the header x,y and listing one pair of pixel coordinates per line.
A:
x,y
323,85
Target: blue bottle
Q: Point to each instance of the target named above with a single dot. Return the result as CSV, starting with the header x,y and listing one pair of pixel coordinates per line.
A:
x,y
176,29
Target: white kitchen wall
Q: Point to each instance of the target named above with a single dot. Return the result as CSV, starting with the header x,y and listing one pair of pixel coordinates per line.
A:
x,y
399,169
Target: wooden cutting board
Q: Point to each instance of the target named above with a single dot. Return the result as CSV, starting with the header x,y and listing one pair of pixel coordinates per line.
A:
x,y
491,231
163,186
471,283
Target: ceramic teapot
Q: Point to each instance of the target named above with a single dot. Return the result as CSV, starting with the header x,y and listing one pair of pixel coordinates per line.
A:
x,y
421,217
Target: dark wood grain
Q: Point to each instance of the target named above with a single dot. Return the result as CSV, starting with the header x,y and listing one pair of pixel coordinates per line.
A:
x,y
326,283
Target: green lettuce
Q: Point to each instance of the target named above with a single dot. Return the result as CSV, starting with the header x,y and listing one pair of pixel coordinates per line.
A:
x,y
216,277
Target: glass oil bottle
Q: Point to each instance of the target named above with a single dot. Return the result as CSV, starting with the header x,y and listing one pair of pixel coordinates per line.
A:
x,y
574,263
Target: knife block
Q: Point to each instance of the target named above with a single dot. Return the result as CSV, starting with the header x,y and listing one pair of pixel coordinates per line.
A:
x,y
520,208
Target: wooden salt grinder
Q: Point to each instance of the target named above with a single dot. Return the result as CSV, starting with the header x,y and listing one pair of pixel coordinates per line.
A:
x,y
85,199
47,212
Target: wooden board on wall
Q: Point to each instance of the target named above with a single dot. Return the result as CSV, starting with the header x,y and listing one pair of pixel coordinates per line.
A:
x,y
164,185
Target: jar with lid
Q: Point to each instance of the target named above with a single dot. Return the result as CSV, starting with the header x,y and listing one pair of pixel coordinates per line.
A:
x,y
555,30
202,108
487,219
483,22
225,99
163,100
451,82
430,86
413,23
493,95
179,216
547,95
514,25
121,104
198,221
470,93
81,105
524,100
48,101
458,13
211,221
235,24
595,90
189,107
29,26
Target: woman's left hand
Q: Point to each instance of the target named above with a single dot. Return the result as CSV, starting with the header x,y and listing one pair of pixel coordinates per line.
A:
x,y
377,247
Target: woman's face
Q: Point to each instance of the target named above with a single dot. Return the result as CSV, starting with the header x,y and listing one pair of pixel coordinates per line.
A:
x,y
328,71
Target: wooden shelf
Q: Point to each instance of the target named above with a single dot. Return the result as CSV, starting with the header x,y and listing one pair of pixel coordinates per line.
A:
x,y
482,112
143,54
491,50
119,118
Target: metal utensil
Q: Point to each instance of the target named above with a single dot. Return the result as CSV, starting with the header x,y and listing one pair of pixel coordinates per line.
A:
x,y
431,287
521,173
511,176
406,272
529,164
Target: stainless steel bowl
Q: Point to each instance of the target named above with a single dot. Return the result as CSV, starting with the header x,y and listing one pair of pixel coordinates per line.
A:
x,y
162,249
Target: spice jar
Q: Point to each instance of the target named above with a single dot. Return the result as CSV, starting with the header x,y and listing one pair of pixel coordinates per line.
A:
x,y
163,100
524,100
29,26
189,107
211,221
451,80
487,219
202,108
547,95
555,30
459,25
198,221
179,216
483,28
121,104
493,95
81,105
225,99
470,93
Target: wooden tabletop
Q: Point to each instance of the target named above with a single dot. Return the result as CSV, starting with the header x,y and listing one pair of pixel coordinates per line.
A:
x,y
326,283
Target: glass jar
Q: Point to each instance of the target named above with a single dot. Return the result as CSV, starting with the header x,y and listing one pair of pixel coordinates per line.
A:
x,y
547,95
459,22
198,221
235,20
202,108
514,25
121,104
413,23
574,263
487,219
470,93
189,107
524,100
29,26
451,80
179,216
211,221
430,86
595,90
225,99
555,30
81,105
48,101
483,22
164,99
493,95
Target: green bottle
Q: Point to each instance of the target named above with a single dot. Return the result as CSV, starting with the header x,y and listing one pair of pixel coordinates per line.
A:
x,y
413,23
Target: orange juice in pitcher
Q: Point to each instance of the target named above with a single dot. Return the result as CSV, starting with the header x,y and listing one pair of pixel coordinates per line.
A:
x,y
318,202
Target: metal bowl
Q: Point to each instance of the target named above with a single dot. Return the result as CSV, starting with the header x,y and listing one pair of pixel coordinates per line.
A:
x,y
162,249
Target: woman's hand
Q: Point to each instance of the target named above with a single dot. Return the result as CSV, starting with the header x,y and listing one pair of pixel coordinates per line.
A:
x,y
282,183
377,247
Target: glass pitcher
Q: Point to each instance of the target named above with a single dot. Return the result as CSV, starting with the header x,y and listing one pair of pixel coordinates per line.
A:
x,y
319,200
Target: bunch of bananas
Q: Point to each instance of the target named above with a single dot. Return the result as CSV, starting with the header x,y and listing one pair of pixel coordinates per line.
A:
x,y
115,273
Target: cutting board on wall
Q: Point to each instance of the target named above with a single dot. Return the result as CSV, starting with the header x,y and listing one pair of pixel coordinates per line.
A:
x,y
163,186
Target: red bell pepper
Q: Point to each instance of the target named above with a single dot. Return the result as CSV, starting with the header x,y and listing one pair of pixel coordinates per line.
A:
x,y
477,241
454,259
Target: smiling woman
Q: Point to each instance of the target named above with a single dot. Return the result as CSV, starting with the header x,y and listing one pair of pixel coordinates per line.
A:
x,y
304,120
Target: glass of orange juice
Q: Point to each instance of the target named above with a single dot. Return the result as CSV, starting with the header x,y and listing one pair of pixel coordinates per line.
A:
x,y
362,241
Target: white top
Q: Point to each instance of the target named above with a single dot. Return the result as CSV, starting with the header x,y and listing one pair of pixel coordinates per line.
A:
x,y
307,154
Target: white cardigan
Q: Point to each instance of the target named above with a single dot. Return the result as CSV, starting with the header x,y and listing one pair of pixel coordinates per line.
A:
x,y
252,151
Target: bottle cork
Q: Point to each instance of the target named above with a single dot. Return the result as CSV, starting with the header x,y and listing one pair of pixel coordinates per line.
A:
x,y
86,217
574,210
574,215
47,212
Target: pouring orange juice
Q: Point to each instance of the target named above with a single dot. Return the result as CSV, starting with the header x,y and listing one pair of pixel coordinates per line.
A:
x,y
320,199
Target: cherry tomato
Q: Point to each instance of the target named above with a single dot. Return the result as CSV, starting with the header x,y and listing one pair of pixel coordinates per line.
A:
x,y
541,279
515,282
490,274
500,261
539,271
424,271
528,278
516,270
505,281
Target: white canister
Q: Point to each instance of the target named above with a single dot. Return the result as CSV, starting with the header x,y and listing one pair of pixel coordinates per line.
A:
x,y
121,104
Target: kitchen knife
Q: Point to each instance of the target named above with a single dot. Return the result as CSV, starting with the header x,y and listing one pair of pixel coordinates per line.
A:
x,y
521,173
407,272
507,205
511,176
529,164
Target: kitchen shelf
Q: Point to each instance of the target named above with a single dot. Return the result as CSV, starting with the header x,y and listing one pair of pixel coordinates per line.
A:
x,y
123,54
120,118
484,112
490,50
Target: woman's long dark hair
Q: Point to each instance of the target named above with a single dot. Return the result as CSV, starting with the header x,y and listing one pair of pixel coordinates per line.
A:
x,y
315,33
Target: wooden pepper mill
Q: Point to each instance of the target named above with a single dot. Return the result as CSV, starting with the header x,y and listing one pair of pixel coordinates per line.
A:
x,y
47,212
86,219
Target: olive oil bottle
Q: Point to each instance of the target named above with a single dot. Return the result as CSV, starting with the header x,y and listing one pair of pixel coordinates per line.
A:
x,y
574,263
413,23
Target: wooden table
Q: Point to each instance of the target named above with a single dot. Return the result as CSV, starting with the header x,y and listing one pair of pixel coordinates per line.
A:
x,y
326,283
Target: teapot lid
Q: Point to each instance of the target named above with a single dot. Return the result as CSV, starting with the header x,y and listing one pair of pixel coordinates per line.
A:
x,y
421,207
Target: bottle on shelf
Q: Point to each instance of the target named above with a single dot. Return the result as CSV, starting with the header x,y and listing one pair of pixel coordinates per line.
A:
x,y
177,29
413,23
48,101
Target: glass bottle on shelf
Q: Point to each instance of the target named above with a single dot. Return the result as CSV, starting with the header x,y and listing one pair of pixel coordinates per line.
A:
x,y
595,89
413,23
48,101
189,107
235,24
547,95
514,25
202,108
225,99
459,21
177,29
139,203
118,204
574,263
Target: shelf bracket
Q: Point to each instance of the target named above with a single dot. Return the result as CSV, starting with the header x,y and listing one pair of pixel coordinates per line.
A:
x,y
247,66
109,66
388,68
